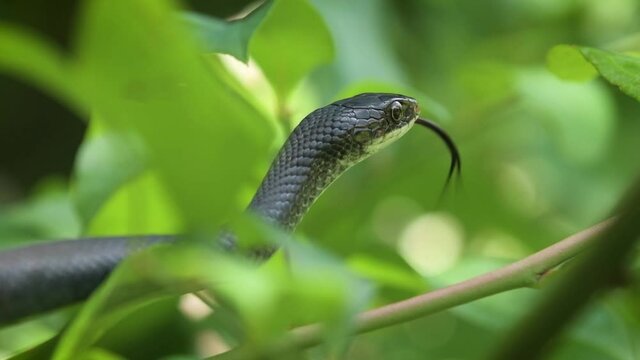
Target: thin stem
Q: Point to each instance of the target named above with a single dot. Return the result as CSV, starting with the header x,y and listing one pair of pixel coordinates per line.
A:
x,y
600,269
527,272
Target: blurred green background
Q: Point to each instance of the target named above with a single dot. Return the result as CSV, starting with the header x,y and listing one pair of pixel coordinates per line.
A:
x,y
542,157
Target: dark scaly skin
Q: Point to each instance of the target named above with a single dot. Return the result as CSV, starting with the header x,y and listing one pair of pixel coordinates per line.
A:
x,y
45,276
49,275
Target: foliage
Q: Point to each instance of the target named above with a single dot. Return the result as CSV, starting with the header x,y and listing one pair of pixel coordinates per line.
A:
x,y
179,137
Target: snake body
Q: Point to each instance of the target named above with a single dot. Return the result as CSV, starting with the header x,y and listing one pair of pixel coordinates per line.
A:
x,y
45,276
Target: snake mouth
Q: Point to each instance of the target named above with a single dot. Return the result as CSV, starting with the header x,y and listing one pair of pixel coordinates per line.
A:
x,y
455,168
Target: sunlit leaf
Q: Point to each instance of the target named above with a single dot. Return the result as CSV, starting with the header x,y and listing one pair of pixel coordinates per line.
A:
x,y
579,114
48,213
228,37
140,206
619,69
291,41
386,273
104,163
599,333
42,350
166,271
31,58
153,81
566,62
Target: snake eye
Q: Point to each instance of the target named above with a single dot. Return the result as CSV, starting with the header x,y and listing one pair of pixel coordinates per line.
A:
x,y
396,111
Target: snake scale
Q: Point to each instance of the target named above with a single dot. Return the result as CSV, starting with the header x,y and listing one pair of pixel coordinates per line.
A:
x,y
45,276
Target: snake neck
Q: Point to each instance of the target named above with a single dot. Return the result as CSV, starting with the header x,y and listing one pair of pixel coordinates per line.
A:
x,y
314,155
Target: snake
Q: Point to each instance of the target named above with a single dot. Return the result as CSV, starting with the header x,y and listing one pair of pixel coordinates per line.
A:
x,y
44,276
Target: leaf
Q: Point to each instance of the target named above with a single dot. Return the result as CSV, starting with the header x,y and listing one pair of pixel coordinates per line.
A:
x,y
575,112
620,70
28,56
37,352
104,163
141,206
267,302
364,49
567,63
48,213
291,41
599,333
162,272
202,135
385,273
228,37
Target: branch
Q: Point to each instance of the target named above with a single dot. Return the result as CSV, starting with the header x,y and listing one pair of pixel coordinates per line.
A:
x,y
527,272
601,268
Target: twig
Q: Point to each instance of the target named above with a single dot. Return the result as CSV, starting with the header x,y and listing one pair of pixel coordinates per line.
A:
x,y
524,273
601,268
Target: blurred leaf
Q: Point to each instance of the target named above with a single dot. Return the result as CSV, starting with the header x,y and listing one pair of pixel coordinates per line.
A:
x,y
30,57
384,273
567,63
44,350
228,37
101,354
487,83
289,43
577,116
620,70
364,49
164,271
141,206
202,135
598,334
104,163
48,213
268,302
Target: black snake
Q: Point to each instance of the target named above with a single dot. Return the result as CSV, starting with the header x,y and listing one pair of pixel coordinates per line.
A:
x,y
41,277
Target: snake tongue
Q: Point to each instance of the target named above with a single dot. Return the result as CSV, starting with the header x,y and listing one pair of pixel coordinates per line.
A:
x,y
456,166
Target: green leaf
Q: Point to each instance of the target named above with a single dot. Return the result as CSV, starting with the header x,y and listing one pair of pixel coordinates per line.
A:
x,y
385,273
44,350
48,213
157,274
575,112
567,63
228,37
619,69
31,58
104,163
144,74
141,206
600,333
290,42
266,300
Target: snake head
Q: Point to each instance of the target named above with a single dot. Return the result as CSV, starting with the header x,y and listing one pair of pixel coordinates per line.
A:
x,y
381,119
